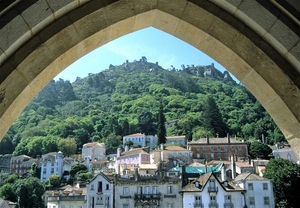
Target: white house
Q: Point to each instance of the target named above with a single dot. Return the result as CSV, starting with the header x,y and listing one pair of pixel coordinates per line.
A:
x,y
52,163
94,151
285,153
209,191
259,190
100,192
176,140
175,153
141,139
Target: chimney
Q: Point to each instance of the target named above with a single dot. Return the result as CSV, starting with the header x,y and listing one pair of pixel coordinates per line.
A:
x,y
207,139
162,146
228,138
223,173
233,166
197,184
126,148
136,173
119,152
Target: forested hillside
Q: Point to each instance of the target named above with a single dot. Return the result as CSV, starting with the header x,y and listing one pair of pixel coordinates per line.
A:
x,y
125,99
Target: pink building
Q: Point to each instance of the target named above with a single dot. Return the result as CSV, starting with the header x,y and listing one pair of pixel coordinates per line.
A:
x,y
126,160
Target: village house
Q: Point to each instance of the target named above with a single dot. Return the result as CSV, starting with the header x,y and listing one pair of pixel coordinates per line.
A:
x,y
66,197
127,160
259,190
176,140
93,151
207,149
141,140
55,163
21,164
101,192
209,191
174,154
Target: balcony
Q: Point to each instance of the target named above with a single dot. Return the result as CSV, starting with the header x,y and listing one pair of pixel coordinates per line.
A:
x,y
213,205
146,196
198,205
212,189
125,196
228,205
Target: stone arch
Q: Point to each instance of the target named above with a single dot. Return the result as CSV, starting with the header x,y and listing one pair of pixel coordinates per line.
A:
x,y
257,42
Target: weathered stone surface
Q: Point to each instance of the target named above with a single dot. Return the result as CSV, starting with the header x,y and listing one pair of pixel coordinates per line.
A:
x,y
254,40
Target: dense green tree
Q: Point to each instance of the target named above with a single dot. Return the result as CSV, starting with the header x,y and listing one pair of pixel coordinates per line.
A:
x,y
67,146
7,192
212,118
286,181
76,168
54,180
146,123
35,170
259,150
161,127
112,142
29,191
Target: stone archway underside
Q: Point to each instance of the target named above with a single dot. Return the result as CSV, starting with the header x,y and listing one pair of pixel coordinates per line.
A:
x,y
258,43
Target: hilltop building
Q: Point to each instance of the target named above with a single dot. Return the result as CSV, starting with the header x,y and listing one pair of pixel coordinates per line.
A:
x,y
176,140
126,160
141,139
208,149
21,164
94,151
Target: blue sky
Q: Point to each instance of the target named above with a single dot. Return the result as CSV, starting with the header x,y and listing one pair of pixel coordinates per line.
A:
x,y
155,45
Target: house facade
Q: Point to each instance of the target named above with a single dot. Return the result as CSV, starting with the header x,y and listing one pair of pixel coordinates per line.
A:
x,y
259,190
67,197
94,151
208,149
175,154
51,164
176,140
141,139
101,192
125,161
209,191
18,165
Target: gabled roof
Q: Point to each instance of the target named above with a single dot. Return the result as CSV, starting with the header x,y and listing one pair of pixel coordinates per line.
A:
x,y
134,152
21,156
107,178
92,144
203,180
249,177
136,134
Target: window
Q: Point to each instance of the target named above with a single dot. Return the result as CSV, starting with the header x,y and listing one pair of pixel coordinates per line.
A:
x,y
107,186
125,191
250,186
92,186
204,148
219,155
70,206
204,155
211,148
225,147
251,201
198,155
198,201
198,149
99,200
169,190
212,155
232,147
219,147
227,199
154,189
107,201
240,147
266,200
147,190
100,187
265,186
